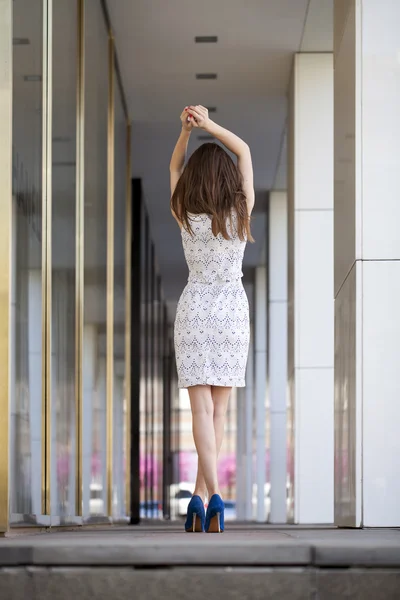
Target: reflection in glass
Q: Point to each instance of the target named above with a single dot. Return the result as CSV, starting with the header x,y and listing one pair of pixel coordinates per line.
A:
x,y
144,365
159,393
26,282
119,309
63,454
95,254
155,374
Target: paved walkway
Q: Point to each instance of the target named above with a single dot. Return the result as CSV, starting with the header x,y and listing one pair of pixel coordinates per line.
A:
x,y
241,545
160,561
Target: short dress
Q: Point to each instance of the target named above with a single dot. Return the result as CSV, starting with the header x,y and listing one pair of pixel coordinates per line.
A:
x,y
212,325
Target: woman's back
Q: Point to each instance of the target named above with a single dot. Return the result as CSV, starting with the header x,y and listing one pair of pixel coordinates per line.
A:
x,y
212,259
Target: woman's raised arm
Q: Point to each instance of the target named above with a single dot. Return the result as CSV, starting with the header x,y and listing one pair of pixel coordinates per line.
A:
x,y
199,118
179,153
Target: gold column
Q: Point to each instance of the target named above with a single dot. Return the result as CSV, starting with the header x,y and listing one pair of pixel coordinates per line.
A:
x,y
79,264
128,252
5,255
110,272
46,250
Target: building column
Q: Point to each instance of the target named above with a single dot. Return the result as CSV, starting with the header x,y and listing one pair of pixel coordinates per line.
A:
x,y
248,443
240,452
277,352
310,287
245,430
367,263
260,339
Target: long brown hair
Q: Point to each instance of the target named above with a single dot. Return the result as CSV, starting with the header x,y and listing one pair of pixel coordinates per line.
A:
x,y
211,183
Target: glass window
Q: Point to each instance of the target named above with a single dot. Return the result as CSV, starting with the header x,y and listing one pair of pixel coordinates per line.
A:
x,y
95,262
26,282
64,81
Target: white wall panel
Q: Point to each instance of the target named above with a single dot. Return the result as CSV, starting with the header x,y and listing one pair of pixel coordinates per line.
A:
x,y
310,290
380,115
314,446
314,288
381,393
314,130
277,353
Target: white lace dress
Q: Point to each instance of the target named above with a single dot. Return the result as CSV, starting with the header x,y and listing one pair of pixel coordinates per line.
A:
x,y
212,330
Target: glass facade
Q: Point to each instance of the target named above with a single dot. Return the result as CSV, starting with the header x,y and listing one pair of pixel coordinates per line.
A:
x,y
95,264
63,260
69,422
26,256
93,427
153,376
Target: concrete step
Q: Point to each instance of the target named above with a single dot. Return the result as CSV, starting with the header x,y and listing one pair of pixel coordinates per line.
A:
x,y
163,562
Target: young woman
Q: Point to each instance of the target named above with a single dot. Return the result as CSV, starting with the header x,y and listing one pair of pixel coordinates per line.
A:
x,y
211,199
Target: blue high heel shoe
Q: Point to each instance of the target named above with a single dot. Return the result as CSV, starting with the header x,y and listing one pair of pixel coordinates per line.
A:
x,y
215,515
196,515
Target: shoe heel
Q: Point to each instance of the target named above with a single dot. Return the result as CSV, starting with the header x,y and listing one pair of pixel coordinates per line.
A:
x,y
215,521
215,524
196,525
195,516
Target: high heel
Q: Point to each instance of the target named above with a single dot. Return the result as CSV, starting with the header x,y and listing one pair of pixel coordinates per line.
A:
x,y
215,515
196,516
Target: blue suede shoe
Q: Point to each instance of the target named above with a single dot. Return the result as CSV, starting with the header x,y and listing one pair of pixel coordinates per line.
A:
x,y
215,515
195,515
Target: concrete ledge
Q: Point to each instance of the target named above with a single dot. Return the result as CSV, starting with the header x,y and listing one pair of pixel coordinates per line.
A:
x,y
120,583
165,554
368,554
179,584
258,547
15,555
365,584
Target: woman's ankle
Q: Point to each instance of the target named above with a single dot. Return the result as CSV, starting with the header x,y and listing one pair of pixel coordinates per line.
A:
x,y
201,493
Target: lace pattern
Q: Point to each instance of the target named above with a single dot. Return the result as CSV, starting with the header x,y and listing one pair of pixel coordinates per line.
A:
x,y
212,330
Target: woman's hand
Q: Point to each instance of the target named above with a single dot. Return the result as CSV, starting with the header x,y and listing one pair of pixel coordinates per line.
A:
x,y
187,123
198,116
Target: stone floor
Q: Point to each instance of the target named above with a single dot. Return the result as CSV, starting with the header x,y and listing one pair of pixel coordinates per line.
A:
x,y
161,561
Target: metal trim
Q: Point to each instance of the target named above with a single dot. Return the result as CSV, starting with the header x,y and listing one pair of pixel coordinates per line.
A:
x,y
49,259
110,272
44,238
46,250
6,86
128,321
79,240
106,14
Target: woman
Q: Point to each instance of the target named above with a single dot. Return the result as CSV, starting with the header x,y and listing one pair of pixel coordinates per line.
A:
x,y
211,199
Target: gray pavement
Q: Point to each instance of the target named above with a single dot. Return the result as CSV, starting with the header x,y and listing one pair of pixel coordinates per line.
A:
x,y
160,561
241,545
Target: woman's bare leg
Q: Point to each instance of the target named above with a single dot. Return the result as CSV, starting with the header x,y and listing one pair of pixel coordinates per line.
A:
x,y
220,397
201,402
